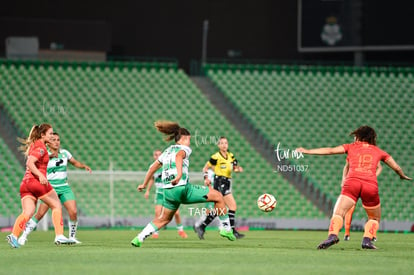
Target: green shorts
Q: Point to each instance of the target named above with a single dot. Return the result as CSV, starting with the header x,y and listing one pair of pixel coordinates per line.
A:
x,y
186,194
159,198
65,193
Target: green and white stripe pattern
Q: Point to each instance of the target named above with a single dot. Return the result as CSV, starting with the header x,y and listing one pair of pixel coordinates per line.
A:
x,y
158,181
169,168
57,169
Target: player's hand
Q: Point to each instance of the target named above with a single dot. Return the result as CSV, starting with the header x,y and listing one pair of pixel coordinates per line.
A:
x,y
141,187
238,169
300,150
146,195
207,182
87,168
175,181
43,180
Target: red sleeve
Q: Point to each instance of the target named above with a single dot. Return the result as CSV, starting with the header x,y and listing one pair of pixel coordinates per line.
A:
x,y
37,151
384,156
346,147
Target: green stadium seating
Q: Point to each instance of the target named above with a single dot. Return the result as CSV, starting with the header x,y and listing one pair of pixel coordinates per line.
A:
x,y
106,112
11,174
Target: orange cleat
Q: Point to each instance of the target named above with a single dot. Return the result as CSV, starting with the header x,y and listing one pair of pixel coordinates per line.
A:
x,y
182,234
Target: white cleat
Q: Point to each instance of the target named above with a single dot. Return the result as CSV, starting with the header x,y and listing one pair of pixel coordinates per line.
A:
x,y
22,240
62,240
74,241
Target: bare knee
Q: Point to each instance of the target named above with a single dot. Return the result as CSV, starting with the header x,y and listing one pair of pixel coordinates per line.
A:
x,y
55,206
28,212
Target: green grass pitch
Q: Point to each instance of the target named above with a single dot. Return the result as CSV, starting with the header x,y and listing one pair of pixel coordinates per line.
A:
x,y
260,252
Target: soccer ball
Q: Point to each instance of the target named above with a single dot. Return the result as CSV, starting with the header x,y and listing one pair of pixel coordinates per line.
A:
x,y
266,202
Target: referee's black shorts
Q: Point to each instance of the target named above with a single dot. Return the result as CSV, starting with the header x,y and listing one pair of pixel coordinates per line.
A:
x,y
222,184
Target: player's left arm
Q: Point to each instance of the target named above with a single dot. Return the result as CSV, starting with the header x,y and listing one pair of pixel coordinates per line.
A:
x,y
79,164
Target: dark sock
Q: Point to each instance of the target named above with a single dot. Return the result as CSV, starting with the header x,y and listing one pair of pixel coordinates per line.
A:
x,y
210,217
232,215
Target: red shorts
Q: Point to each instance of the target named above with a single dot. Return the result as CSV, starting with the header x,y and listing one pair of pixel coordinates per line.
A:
x,y
32,187
367,191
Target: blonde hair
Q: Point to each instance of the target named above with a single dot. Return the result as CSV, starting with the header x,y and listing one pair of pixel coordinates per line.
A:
x,y
171,129
35,134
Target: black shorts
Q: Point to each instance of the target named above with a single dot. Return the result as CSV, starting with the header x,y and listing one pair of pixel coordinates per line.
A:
x,y
223,185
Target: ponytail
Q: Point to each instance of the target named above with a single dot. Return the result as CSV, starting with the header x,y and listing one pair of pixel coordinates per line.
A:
x,y
172,130
34,134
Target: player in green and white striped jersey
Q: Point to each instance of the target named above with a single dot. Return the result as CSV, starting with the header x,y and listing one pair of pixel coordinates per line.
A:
x,y
58,178
159,198
175,161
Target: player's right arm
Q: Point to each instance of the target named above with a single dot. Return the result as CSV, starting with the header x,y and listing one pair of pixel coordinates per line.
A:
x,y
150,174
30,164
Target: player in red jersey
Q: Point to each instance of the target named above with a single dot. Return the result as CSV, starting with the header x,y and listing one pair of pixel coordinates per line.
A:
x,y
360,182
35,186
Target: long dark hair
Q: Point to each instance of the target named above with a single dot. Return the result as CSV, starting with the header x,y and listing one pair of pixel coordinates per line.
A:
x,y
365,133
171,129
35,134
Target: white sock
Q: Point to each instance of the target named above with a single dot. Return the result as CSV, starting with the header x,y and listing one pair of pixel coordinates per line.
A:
x,y
73,225
147,231
180,227
30,226
200,220
225,222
